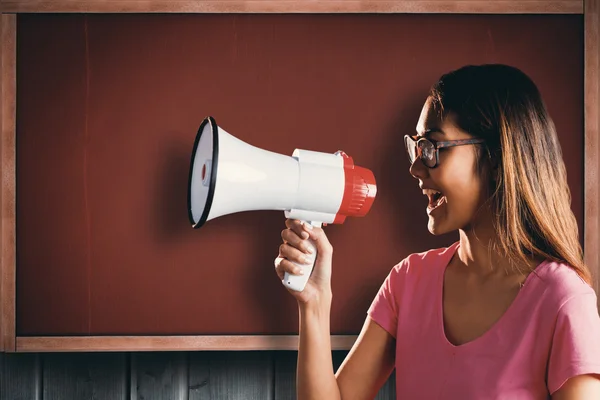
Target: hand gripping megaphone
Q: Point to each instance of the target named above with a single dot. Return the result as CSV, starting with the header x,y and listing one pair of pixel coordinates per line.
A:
x,y
228,176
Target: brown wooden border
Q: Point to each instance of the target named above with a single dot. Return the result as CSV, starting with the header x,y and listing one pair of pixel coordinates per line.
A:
x,y
8,87
10,342
169,343
293,6
592,143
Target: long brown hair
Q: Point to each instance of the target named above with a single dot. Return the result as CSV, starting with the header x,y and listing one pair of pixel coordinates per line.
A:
x,y
530,197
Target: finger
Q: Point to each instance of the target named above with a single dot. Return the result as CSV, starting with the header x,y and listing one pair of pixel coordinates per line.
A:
x,y
318,236
291,238
288,235
299,227
282,266
293,254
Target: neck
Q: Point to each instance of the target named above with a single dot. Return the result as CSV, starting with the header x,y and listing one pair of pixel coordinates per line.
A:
x,y
478,250
480,254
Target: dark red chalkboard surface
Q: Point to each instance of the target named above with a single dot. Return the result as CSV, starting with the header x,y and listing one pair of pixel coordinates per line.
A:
x,y
107,112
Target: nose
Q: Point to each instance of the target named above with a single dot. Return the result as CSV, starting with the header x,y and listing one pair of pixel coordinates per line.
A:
x,y
418,170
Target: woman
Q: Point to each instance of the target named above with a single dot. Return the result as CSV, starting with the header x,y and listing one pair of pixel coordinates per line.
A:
x,y
507,312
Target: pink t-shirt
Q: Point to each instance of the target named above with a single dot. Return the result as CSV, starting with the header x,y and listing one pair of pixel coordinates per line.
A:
x,y
550,333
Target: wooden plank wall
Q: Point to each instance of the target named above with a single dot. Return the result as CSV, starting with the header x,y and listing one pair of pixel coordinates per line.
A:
x,y
214,375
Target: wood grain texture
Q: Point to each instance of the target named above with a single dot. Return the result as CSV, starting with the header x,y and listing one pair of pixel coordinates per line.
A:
x,y
229,375
20,377
272,6
156,376
285,374
173,375
168,343
7,157
84,376
592,144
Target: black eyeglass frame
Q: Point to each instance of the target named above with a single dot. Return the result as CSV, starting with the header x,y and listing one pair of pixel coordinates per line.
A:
x,y
437,145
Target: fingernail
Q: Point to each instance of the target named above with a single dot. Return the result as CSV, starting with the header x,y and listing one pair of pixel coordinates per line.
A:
x,y
307,260
305,235
309,249
298,271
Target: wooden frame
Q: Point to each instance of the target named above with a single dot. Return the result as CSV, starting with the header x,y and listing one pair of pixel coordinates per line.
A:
x,y
7,194
169,343
294,6
9,342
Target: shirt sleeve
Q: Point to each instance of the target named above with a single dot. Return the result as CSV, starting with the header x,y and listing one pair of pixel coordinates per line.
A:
x,y
576,342
384,308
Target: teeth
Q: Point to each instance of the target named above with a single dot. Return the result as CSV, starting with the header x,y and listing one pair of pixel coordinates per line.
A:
x,y
433,195
436,200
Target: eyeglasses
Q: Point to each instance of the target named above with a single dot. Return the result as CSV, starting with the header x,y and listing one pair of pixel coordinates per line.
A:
x,y
428,149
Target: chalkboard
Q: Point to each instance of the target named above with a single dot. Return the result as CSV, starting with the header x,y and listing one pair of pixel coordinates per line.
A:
x,y
108,106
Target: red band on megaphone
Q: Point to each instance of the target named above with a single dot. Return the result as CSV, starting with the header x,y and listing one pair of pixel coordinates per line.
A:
x,y
359,191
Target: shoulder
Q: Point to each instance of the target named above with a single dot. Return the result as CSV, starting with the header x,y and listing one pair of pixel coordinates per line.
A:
x,y
558,283
570,307
414,276
424,263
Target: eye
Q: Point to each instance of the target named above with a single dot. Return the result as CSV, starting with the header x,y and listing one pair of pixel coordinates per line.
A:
x,y
428,150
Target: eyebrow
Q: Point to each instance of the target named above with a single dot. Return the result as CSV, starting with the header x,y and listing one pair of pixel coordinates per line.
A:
x,y
431,131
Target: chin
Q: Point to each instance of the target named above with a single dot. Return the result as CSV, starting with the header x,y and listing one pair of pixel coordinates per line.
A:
x,y
437,228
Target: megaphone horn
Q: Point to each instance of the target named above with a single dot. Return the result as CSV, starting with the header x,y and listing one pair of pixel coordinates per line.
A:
x,y
228,176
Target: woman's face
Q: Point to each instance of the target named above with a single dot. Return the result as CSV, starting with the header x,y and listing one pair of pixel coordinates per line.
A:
x,y
462,187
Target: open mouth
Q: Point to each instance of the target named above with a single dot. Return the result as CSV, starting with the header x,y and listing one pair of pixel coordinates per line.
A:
x,y
436,199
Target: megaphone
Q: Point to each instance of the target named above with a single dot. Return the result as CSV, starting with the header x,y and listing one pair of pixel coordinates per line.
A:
x,y
228,176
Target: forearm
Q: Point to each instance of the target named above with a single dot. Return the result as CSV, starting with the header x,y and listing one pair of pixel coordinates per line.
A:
x,y
315,375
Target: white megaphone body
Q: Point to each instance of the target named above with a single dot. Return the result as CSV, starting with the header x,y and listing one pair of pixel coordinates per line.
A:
x,y
228,176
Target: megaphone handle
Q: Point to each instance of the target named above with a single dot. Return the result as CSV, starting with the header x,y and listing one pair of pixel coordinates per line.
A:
x,y
298,282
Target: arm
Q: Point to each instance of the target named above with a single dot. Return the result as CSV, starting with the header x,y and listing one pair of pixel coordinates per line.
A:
x,y
365,369
370,361
368,364
315,379
580,387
